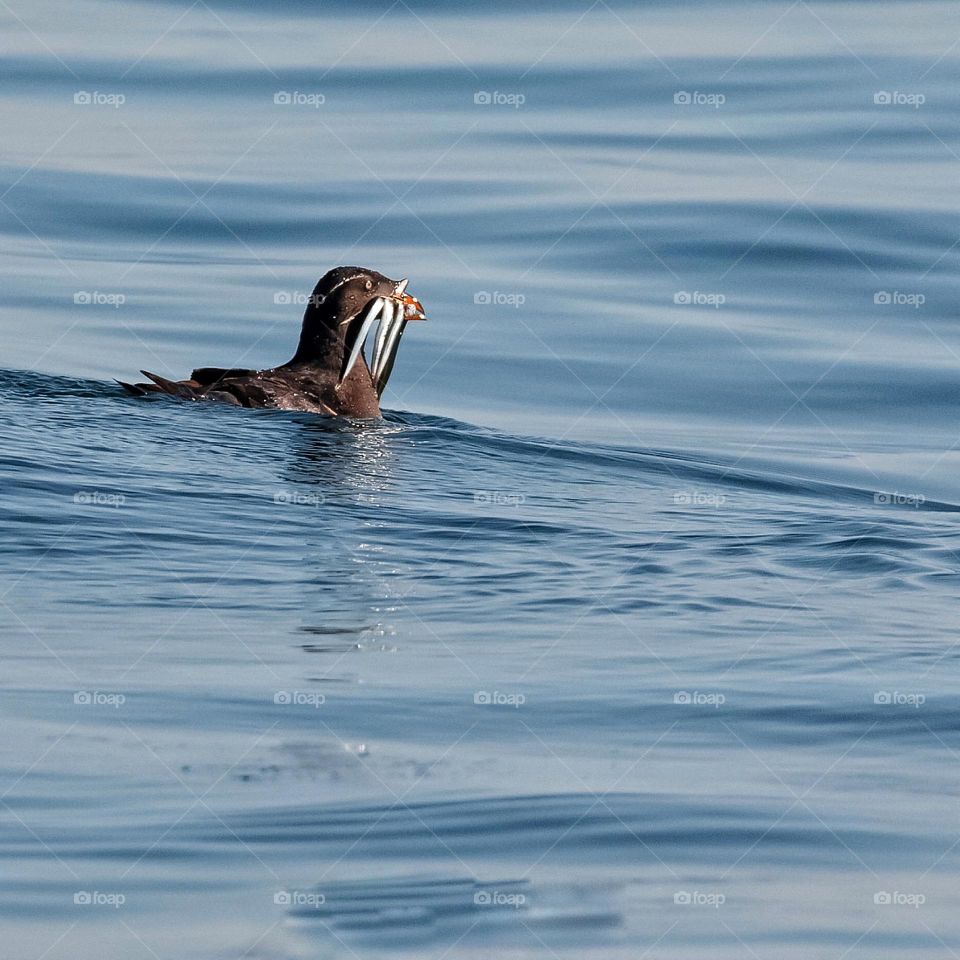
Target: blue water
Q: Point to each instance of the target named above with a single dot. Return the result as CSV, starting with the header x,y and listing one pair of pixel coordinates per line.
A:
x,y
630,631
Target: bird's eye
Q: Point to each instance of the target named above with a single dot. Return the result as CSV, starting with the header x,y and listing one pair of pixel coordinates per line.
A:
x,y
369,284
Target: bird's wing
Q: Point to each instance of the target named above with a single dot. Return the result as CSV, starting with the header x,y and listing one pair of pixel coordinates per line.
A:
x,y
188,389
207,376
238,387
211,382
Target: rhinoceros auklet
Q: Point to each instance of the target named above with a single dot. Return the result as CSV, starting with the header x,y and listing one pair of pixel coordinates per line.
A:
x,y
329,372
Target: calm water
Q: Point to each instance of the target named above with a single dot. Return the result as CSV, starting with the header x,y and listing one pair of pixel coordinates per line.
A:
x,y
630,631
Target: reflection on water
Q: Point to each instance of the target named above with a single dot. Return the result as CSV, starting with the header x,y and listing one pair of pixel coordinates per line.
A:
x,y
340,455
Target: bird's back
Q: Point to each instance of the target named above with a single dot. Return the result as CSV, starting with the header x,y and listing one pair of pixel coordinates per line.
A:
x,y
288,387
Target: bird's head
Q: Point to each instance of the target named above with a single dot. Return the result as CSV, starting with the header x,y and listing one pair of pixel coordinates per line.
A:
x,y
345,304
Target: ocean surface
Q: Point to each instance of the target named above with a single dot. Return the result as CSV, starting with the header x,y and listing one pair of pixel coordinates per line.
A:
x,y
630,631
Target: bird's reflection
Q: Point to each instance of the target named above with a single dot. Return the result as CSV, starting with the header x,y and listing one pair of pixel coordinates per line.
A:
x,y
348,457
354,587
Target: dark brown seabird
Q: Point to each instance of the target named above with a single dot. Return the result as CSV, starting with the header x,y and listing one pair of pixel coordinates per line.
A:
x,y
329,372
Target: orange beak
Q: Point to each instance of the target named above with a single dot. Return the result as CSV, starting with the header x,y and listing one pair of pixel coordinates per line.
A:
x,y
412,307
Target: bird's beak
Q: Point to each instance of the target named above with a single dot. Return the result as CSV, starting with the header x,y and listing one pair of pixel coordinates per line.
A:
x,y
413,308
397,311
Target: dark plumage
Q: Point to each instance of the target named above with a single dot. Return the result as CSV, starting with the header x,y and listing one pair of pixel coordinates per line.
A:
x,y
328,373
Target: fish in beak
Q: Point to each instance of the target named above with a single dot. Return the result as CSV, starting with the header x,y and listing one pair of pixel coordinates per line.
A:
x,y
355,345
401,308
394,312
